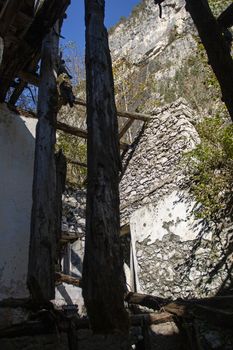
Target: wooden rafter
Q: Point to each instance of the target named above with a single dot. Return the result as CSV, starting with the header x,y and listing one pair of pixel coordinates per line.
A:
x,y
34,79
128,115
21,48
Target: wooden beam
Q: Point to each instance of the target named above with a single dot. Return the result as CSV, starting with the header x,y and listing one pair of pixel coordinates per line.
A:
x,y
76,162
103,274
34,79
128,115
61,170
19,89
17,93
42,251
68,129
31,78
125,128
72,130
61,277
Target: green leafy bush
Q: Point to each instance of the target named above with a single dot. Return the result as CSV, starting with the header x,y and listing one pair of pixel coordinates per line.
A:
x,y
212,167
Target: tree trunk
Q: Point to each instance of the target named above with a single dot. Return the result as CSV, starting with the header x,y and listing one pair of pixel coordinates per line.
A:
x,y
103,276
41,279
216,47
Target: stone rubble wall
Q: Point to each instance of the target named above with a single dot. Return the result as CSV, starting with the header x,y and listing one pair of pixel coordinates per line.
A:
x,y
174,254
154,163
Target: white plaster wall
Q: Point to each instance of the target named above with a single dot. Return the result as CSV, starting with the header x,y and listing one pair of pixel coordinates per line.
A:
x,y
172,214
67,294
16,168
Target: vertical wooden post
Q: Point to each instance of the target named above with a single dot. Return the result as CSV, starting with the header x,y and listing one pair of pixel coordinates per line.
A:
x,y
103,276
1,49
41,269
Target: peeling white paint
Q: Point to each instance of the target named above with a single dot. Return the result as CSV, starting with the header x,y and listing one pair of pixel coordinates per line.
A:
x,y
172,215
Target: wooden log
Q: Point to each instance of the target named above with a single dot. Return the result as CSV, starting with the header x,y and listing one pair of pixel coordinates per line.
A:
x,y
61,277
42,252
216,47
103,274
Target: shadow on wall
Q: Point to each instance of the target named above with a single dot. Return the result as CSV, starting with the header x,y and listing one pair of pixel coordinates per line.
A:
x,y
128,154
216,237
17,145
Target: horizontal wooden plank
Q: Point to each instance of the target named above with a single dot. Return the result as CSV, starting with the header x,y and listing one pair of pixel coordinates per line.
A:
x,y
72,130
76,162
129,115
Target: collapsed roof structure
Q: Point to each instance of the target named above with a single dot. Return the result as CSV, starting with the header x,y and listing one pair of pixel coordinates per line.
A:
x,y
23,26
29,32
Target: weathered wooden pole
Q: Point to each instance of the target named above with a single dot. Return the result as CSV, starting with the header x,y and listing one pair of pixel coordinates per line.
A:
x,y
41,269
216,47
103,276
1,49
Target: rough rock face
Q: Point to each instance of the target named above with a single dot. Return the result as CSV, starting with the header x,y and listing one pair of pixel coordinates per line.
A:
x,y
157,60
145,35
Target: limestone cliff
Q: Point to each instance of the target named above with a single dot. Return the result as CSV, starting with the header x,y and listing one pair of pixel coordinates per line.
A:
x,y
157,60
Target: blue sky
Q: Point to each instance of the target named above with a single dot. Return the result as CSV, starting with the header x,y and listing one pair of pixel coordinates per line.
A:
x,y
73,27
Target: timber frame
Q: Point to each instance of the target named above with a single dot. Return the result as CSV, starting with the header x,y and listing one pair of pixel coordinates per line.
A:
x,y
29,41
30,33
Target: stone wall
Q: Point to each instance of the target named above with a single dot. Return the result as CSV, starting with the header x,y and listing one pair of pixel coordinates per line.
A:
x,y
174,254
152,167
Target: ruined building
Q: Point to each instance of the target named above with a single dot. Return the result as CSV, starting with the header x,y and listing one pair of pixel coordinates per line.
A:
x,y
169,254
